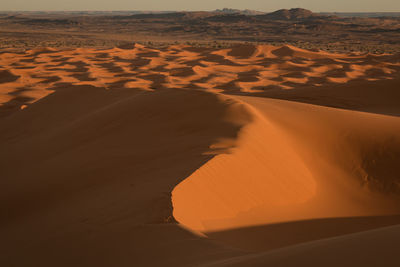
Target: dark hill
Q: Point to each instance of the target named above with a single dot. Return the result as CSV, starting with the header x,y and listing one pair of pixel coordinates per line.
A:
x,y
289,14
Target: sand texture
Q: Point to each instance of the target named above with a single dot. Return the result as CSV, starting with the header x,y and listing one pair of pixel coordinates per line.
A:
x,y
184,156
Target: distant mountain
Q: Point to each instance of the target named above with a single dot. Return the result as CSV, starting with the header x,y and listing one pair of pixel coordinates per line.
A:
x,y
290,14
247,12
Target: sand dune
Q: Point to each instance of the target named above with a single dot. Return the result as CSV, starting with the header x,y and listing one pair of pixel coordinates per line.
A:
x,y
31,75
89,182
296,162
182,156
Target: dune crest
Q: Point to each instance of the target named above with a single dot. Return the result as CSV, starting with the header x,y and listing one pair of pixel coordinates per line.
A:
x,y
253,174
87,174
296,162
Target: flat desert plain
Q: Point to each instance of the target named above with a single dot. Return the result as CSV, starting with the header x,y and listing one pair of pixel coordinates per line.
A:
x,y
253,155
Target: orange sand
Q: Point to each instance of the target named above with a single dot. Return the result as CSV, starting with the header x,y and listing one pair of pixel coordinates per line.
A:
x,y
182,156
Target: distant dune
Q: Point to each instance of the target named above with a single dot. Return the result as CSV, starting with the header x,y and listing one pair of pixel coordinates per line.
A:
x,y
252,155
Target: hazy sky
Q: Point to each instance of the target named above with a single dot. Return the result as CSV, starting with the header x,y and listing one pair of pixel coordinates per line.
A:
x,y
262,5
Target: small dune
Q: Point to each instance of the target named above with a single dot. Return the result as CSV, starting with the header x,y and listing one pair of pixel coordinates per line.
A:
x,y
29,76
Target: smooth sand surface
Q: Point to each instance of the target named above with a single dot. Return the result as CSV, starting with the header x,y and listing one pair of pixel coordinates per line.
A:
x,y
296,162
184,156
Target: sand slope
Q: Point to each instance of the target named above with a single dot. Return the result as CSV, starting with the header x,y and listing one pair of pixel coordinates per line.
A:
x,y
116,157
88,184
296,162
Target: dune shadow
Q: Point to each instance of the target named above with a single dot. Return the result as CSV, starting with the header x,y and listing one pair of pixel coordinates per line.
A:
x,y
6,76
86,166
273,236
381,97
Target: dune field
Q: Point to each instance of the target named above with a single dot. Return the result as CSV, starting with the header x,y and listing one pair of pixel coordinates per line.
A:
x,y
254,155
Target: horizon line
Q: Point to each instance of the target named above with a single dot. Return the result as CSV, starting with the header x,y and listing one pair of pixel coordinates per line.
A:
x,y
185,10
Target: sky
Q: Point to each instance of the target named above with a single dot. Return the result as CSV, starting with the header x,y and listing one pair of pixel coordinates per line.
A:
x,y
178,5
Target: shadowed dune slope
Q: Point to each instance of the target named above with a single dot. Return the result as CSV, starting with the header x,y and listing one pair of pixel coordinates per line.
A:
x,y
373,248
380,97
87,175
272,236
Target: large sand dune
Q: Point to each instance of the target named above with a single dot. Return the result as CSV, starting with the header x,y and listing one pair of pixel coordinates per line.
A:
x,y
295,162
184,156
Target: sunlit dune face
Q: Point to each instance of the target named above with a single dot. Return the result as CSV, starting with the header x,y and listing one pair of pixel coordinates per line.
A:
x,y
295,162
263,171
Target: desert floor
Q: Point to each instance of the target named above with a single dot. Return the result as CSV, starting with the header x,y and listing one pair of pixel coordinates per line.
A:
x,y
184,156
